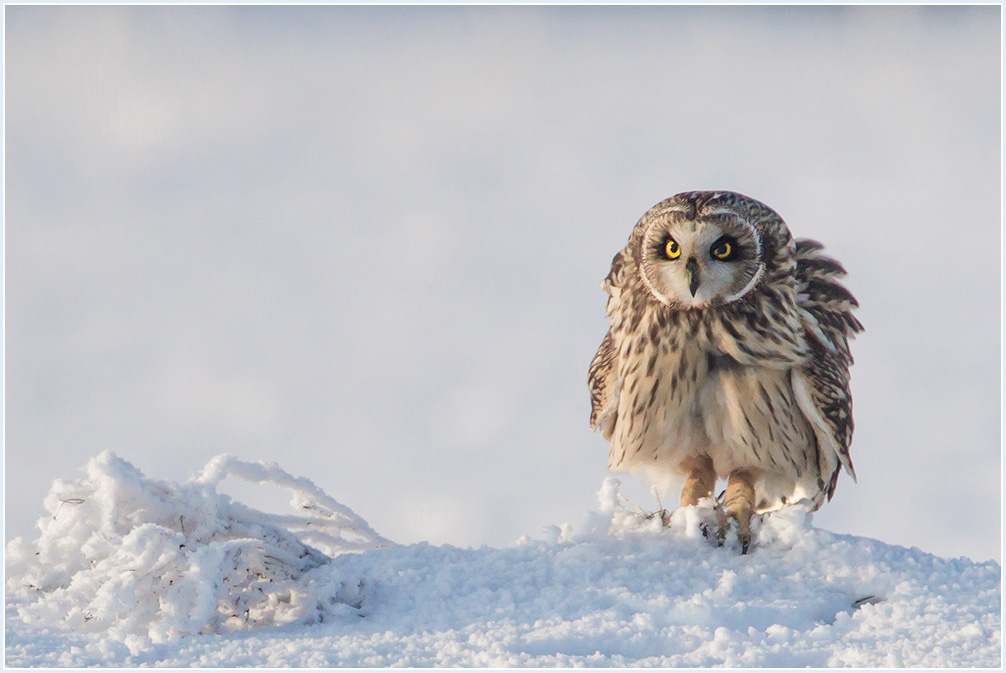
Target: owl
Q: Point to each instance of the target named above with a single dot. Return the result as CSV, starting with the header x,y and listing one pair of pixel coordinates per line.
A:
x,y
727,357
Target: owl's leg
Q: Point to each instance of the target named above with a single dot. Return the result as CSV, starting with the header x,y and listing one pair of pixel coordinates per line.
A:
x,y
739,503
701,479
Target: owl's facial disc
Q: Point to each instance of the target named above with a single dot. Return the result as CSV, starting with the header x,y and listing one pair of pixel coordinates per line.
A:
x,y
701,262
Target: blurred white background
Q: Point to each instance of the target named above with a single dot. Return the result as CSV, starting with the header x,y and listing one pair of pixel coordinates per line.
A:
x,y
366,242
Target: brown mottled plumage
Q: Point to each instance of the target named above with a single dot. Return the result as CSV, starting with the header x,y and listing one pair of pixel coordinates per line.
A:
x,y
727,356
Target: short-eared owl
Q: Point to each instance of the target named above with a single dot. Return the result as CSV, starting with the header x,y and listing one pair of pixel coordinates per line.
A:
x,y
727,356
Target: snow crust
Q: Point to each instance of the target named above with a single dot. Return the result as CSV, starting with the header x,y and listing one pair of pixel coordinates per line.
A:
x,y
134,571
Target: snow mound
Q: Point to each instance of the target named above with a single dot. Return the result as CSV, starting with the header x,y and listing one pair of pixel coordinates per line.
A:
x,y
131,571
143,559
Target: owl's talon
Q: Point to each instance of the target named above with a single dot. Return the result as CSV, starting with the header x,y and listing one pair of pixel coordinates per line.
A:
x,y
745,540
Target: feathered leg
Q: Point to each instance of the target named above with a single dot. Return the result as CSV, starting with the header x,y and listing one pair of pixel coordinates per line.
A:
x,y
739,504
701,480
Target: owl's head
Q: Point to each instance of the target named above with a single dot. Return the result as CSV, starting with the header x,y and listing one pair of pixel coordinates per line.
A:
x,y
701,249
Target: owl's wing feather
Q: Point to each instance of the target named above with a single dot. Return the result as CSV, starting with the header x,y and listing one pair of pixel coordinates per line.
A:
x,y
826,306
822,384
603,372
603,398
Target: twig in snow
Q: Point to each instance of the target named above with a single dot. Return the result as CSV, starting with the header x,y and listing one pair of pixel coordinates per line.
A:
x,y
68,501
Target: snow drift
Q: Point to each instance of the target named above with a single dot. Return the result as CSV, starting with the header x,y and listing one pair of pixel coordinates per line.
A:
x,y
140,557
134,571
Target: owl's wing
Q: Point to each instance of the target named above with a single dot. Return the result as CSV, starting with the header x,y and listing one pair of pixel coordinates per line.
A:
x,y
603,372
601,378
825,304
822,384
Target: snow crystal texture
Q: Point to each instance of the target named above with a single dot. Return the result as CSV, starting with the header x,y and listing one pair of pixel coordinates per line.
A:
x,y
132,571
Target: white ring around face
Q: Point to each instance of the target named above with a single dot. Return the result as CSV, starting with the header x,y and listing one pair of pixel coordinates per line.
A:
x,y
642,267
761,265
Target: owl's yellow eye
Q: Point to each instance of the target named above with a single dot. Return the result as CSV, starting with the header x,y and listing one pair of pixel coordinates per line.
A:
x,y
724,249
672,249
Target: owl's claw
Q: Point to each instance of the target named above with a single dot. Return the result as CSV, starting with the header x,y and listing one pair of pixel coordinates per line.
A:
x,y
745,540
717,539
715,531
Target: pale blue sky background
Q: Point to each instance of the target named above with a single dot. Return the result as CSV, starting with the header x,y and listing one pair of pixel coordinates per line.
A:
x,y
366,242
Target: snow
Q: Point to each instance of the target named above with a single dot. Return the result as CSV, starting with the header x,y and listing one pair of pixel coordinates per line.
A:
x,y
134,571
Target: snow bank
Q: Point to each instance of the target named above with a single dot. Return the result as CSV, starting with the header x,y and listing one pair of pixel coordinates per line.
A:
x,y
618,589
142,559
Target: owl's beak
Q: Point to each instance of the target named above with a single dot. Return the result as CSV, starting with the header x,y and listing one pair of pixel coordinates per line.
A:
x,y
692,267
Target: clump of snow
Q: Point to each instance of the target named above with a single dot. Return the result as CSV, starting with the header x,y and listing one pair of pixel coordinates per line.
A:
x,y
140,558
622,587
